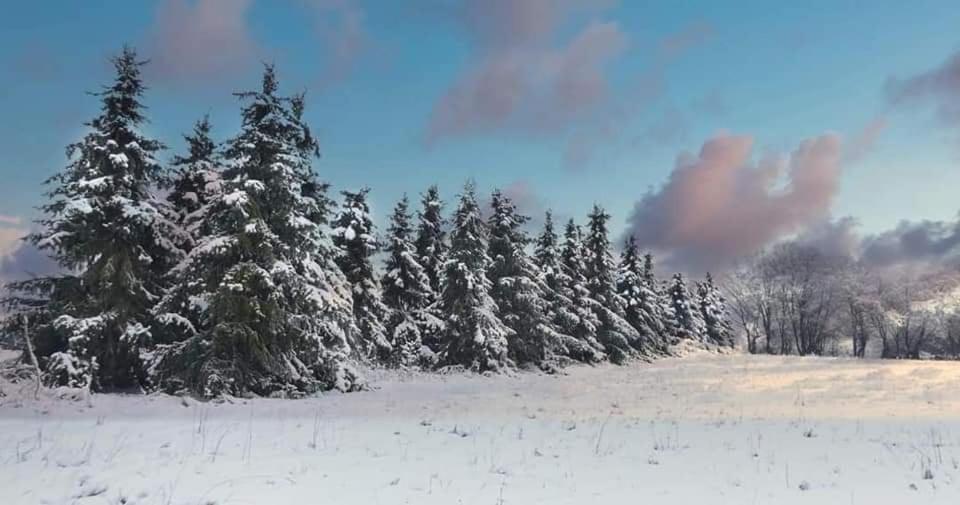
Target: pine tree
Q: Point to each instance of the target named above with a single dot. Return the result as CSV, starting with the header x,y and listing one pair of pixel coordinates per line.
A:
x,y
713,311
573,323
197,181
517,288
631,288
105,227
260,303
686,314
475,337
573,279
617,335
406,291
431,252
354,235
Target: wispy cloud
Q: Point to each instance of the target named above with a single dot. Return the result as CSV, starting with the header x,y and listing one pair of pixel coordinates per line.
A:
x,y
519,78
939,86
344,38
864,141
202,40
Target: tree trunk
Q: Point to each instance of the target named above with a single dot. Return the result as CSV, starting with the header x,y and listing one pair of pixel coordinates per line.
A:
x,y
31,355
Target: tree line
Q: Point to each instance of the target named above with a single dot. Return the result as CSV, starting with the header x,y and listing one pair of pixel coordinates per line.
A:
x,y
231,269
798,299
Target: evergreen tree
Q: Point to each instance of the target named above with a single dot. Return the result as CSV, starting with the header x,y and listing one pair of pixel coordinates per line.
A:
x,y
475,337
517,288
406,291
431,252
637,298
196,182
575,329
431,238
617,335
573,279
599,262
713,311
354,235
656,304
547,254
686,314
260,304
649,278
105,227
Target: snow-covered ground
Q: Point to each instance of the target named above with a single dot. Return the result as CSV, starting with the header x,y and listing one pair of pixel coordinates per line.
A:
x,y
703,429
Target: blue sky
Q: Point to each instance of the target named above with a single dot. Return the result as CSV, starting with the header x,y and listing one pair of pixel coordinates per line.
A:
x,y
668,77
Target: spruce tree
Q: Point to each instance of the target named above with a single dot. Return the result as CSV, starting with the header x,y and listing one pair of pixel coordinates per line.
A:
x,y
573,279
617,335
517,288
106,228
260,304
431,243
686,314
713,311
631,288
547,255
573,322
431,252
406,291
656,304
354,235
474,337
196,182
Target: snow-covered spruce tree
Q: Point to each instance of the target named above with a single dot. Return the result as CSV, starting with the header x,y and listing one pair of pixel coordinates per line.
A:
x,y
689,323
431,250
574,324
474,336
572,277
517,288
406,291
713,311
431,245
657,304
354,236
637,298
196,181
260,303
618,337
104,226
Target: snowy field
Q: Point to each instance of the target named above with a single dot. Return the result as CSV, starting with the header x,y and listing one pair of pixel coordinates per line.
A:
x,y
703,429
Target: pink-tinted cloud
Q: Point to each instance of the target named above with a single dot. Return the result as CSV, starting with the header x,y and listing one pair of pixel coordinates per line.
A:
x,y
863,141
201,40
690,36
939,86
341,28
520,78
720,205
11,235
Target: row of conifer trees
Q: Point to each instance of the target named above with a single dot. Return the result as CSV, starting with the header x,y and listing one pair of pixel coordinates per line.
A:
x,y
231,271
